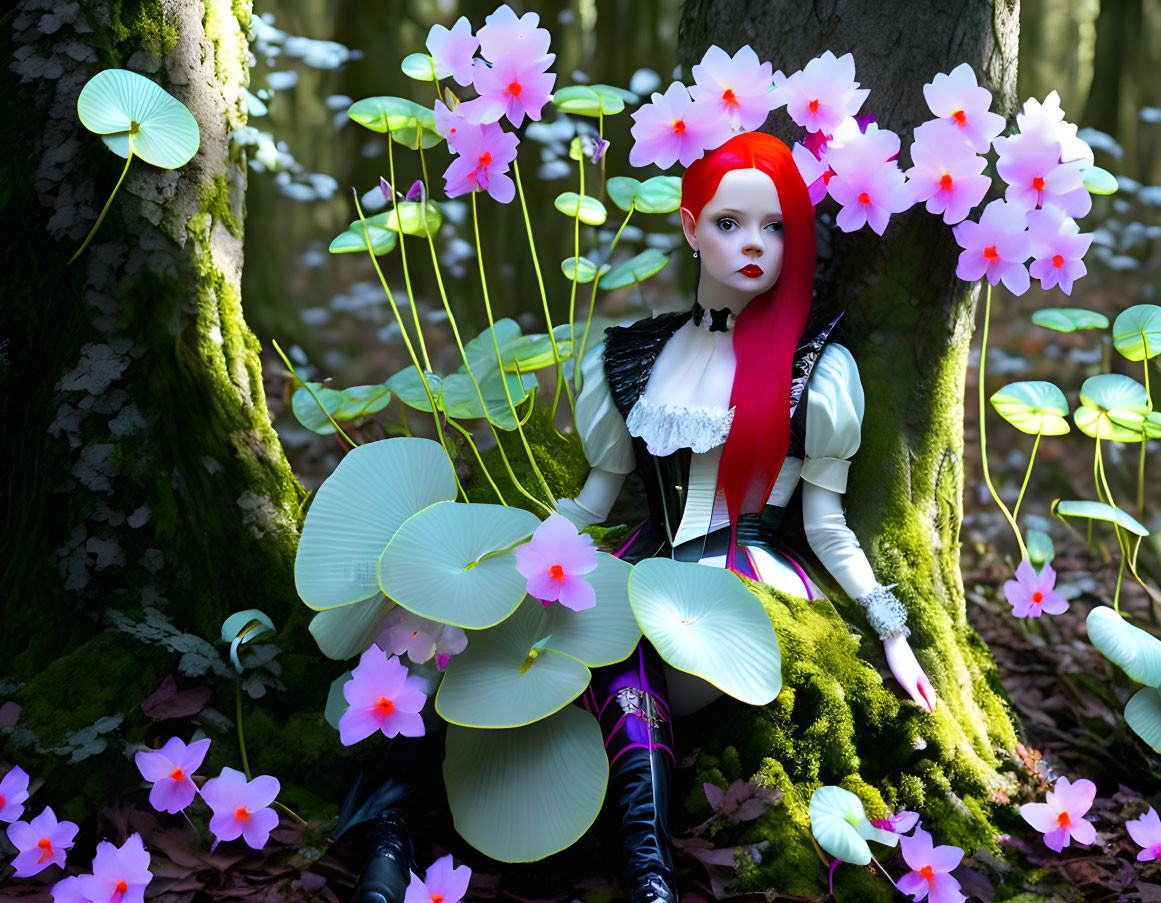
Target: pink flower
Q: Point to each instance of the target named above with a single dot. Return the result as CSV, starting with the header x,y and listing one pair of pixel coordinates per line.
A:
x,y
1048,118
485,152
449,123
452,50
823,94
1061,818
738,87
442,883
961,101
1057,248
420,638
899,823
996,246
13,793
242,807
171,770
120,874
68,890
41,842
1146,832
815,173
503,34
381,696
1030,164
929,869
674,128
1031,594
738,802
946,172
869,188
512,87
554,559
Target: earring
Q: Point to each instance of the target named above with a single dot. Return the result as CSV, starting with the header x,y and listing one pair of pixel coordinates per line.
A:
x,y
695,254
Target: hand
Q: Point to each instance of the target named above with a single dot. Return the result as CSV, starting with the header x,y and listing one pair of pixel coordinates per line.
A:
x,y
908,671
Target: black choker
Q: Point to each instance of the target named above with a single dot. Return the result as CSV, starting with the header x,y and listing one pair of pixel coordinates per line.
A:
x,y
721,320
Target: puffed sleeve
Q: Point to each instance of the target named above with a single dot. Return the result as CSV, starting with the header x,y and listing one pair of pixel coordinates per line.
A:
x,y
834,418
599,424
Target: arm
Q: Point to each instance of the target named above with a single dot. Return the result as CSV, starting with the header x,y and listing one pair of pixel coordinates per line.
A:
x,y
595,500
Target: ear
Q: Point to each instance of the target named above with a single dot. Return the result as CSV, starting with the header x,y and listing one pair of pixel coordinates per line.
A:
x,y
688,221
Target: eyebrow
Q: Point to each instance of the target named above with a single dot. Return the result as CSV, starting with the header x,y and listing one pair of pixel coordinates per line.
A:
x,y
729,211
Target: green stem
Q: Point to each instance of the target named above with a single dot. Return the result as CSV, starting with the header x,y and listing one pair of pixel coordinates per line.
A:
x,y
576,255
983,434
483,467
576,357
403,244
298,818
1144,433
499,361
1027,475
289,366
104,209
1117,594
241,736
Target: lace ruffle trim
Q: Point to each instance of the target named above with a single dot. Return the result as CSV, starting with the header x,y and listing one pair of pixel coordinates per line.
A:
x,y
668,427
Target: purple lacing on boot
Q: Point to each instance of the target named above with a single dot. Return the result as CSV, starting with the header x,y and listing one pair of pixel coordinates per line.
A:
x,y
629,543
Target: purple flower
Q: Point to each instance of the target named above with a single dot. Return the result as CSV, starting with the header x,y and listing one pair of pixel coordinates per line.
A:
x,y
1146,832
738,802
120,874
241,807
1030,164
1057,248
503,34
381,696
512,87
929,869
452,50
13,793
1048,118
171,770
899,823
1032,594
41,842
594,147
420,638
449,123
996,246
68,890
815,173
674,128
554,561
868,186
441,884
961,101
738,87
485,152
1062,817
822,95
946,171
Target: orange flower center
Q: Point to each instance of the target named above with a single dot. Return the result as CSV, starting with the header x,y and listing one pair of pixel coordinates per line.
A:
x,y
1062,820
1058,261
814,105
729,97
514,89
46,846
1038,183
960,118
242,813
414,633
486,158
927,872
556,572
2,801
826,176
385,706
990,252
679,126
437,898
121,887
864,198
945,182
177,774
1037,597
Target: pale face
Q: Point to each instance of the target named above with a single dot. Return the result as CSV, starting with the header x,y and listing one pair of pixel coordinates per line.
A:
x,y
738,236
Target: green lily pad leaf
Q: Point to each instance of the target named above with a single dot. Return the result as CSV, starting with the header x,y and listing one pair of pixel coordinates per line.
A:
x,y
504,680
1069,319
1033,407
1130,648
336,702
574,149
1143,715
1108,395
1099,511
461,401
308,411
404,119
243,626
524,793
636,269
660,194
435,565
531,352
1137,332
590,210
585,271
415,218
601,635
1041,551
419,66
1141,427
408,387
357,510
840,825
589,100
383,240
623,191
704,621
343,633
131,111
1099,181
481,352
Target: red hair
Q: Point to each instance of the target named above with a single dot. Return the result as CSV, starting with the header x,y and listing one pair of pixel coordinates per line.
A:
x,y
768,329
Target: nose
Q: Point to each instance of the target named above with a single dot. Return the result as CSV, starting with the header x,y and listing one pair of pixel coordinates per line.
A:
x,y
754,246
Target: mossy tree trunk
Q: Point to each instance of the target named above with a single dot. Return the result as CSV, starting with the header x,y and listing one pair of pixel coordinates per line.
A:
x,y
908,322
141,475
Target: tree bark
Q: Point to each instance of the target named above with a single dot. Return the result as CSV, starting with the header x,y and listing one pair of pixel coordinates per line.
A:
x,y
143,482
908,322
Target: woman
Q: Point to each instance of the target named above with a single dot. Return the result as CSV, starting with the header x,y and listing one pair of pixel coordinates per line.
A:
x,y
724,410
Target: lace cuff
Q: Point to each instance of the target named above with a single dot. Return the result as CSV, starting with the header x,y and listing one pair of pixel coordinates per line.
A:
x,y
668,427
885,612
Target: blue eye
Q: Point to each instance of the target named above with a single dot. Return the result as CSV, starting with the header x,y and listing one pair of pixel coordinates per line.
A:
x,y
726,224
774,227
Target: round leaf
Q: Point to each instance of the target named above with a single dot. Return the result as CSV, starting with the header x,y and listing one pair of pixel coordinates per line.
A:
x,y
336,701
589,100
419,66
1069,319
1110,394
586,271
243,626
383,240
404,119
112,101
1143,715
636,269
1137,332
522,794
704,621
1099,511
660,194
1099,181
590,210
834,815
1134,651
407,385
359,401
415,218
357,510
343,633
605,633
312,413
1033,407
531,352
1040,548
1141,427
623,191
435,565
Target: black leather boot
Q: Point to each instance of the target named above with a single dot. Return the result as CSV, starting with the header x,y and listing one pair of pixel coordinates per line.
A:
x,y
388,869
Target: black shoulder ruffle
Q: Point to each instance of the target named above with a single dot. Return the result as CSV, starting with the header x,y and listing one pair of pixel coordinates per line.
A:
x,y
631,351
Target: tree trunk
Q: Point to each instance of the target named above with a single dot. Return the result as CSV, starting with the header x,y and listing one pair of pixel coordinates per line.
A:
x,y
908,322
144,487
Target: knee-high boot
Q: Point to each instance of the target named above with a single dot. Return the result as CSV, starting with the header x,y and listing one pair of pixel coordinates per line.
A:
x,y
634,718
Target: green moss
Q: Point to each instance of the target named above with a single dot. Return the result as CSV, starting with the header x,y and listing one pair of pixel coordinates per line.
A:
x,y
142,24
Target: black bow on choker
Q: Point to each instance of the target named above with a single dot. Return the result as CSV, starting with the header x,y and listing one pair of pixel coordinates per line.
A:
x,y
719,319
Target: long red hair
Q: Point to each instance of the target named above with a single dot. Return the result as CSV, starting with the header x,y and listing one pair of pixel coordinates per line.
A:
x,y
769,327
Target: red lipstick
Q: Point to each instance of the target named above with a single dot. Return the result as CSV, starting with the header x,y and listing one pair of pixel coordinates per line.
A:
x,y
752,270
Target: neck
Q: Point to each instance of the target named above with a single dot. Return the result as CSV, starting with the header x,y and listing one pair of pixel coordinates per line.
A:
x,y
713,295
